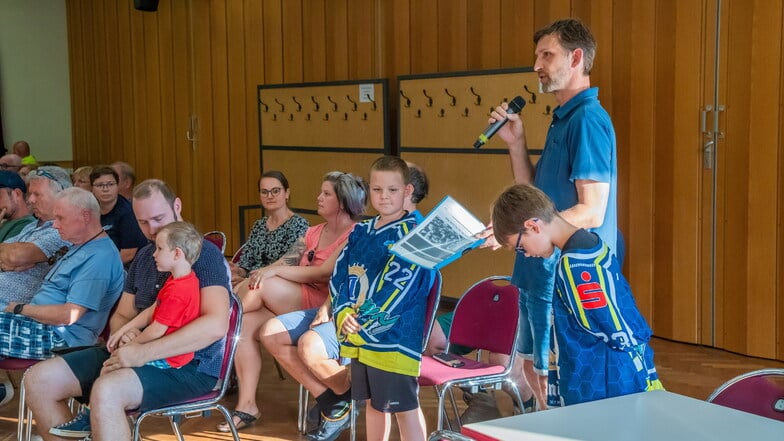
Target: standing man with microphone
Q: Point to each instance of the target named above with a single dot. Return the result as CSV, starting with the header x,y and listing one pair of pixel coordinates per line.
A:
x,y
577,170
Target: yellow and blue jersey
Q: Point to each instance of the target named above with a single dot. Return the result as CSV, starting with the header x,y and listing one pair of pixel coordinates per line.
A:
x,y
388,296
601,338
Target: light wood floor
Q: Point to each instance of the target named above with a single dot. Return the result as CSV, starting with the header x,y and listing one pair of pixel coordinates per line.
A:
x,y
685,369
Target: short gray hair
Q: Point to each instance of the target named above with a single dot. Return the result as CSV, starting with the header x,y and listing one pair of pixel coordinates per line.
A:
x,y
57,177
81,199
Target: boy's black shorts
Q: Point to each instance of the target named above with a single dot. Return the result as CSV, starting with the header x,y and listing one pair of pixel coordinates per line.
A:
x,y
387,391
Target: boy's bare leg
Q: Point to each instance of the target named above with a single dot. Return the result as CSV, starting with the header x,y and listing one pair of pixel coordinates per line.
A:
x,y
377,424
412,425
537,382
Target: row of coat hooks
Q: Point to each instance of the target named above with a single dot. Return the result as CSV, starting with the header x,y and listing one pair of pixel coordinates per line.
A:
x,y
452,100
315,105
308,117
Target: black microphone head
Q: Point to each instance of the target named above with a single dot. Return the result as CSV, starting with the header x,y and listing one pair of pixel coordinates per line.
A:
x,y
516,105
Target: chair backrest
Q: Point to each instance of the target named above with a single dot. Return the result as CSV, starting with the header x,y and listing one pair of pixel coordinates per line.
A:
x,y
232,339
433,299
486,316
238,255
759,392
218,238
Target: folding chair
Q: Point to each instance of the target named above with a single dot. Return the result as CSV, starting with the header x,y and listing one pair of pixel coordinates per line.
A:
x,y
433,299
25,417
486,318
201,406
759,392
218,238
440,435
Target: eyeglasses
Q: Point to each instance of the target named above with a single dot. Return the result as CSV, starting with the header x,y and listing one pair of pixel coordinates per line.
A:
x,y
7,166
47,175
518,247
57,255
311,254
271,192
105,185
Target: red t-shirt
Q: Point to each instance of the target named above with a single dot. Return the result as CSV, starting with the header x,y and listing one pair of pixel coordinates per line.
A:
x,y
178,304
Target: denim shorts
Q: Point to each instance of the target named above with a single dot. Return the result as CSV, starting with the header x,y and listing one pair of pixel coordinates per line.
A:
x,y
535,277
298,323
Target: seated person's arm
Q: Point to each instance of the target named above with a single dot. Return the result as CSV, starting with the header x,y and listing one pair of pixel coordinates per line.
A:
x,y
209,327
152,332
20,256
592,197
130,331
62,314
324,313
125,312
127,254
307,274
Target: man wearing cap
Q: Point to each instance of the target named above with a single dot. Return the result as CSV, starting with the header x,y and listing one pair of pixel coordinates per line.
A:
x,y
27,257
14,212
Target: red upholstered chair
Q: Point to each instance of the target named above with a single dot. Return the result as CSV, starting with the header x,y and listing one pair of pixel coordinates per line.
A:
x,y
218,238
759,392
486,318
24,423
202,405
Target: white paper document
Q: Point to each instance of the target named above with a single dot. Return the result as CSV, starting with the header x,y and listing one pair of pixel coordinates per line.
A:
x,y
447,232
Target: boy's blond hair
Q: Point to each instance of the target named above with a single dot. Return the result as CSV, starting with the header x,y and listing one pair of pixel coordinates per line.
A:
x,y
184,236
517,204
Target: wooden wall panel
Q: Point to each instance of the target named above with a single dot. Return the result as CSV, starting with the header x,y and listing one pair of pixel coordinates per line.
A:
x,y
136,79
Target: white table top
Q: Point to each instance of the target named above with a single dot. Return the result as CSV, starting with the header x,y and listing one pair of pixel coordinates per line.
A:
x,y
656,415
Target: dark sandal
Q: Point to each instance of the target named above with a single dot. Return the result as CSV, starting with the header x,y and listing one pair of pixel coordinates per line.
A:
x,y
246,420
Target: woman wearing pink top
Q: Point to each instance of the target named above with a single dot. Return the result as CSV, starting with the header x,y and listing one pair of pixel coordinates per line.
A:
x,y
298,280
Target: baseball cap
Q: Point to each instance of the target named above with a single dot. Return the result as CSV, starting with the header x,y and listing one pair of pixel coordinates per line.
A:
x,y
52,172
9,179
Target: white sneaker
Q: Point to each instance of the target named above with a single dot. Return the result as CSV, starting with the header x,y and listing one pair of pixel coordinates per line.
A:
x,y
6,392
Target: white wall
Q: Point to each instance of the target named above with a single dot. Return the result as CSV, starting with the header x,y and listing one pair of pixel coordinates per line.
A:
x,y
34,82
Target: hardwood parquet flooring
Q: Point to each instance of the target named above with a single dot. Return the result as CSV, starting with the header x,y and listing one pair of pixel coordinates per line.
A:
x,y
686,369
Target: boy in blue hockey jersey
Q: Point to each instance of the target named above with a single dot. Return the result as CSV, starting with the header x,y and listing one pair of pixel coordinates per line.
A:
x,y
379,303
601,337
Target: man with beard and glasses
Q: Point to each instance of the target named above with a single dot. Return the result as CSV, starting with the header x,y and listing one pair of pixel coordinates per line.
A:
x,y
577,170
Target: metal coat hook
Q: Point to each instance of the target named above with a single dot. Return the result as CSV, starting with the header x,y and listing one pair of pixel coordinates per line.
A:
x,y
465,112
372,101
531,100
334,104
266,107
345,117
282,107
307,117
312,98
326,117
453,99
418,113
299,106
478,101
429,98
364,116
291,117
274,116
547,110
441,113
354,103
408,100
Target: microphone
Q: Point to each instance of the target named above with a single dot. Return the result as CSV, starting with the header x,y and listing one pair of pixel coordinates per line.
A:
x,y
515,106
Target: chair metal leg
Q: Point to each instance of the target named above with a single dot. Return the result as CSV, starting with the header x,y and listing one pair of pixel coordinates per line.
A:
x,y
174,421
353,415
228,417
302,409
280,370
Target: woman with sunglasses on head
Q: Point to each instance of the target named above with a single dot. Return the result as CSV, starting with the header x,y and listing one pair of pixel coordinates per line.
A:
x,y
297,281
273,234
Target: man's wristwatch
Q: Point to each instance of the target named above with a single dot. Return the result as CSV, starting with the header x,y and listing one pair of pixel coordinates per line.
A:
x,y
18,308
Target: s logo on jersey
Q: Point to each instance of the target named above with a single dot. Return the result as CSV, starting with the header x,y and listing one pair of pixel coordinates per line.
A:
x,y
590,292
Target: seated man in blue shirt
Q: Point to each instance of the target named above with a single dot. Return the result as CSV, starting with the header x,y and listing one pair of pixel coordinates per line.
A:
x,y
28,256
72,305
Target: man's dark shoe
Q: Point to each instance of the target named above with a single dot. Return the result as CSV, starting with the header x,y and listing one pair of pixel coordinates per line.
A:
x,y
330,429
